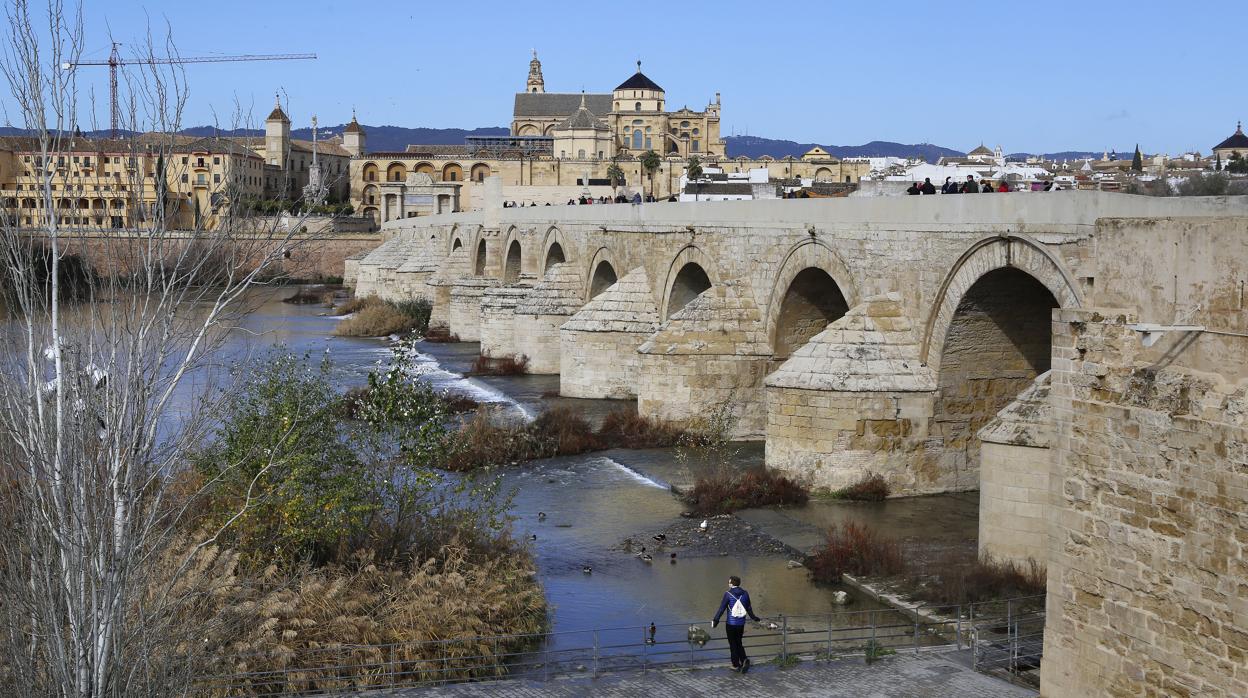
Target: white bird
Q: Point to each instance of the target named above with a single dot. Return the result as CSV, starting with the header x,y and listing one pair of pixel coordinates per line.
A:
x,y
704,525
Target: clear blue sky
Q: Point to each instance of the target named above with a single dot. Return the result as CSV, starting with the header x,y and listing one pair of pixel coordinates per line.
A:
x,y
1033,76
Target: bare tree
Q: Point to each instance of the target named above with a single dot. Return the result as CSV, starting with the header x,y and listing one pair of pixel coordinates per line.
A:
x,y
107,378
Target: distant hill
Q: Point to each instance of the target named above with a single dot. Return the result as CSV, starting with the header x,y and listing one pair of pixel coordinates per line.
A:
x,y
397,138
756,146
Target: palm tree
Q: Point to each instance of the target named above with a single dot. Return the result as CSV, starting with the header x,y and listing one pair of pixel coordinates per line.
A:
x,y
650,162
693,170
615,173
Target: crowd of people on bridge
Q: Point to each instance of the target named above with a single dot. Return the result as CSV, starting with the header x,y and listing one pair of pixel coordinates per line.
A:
x,y
970,186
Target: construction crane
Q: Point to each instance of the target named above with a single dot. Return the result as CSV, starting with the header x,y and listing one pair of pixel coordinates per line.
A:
x,y
115,60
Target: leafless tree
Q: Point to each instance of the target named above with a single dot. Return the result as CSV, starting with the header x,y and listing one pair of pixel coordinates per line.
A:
x,y
107,378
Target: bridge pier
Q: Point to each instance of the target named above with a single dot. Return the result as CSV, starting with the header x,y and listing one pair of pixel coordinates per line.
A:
x,y
464,312
541,312
498,319
710,354
598,345
855,400
1014,495
454,268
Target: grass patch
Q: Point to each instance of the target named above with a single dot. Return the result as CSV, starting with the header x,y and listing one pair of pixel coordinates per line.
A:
x,y
725,491
558,431
871,488
857,550
504,366
440,334
954,578
373,317
623,429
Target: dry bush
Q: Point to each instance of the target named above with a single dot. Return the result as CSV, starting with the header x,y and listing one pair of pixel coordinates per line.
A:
x,y
505,366
354,305
343,627
871,488
377,320
627,429
459,404
725,491
441,334
854,549
955,578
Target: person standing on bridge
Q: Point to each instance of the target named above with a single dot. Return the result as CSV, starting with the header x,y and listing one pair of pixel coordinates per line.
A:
x,y
737,602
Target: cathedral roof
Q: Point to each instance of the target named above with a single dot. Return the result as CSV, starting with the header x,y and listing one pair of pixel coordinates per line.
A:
x,y
354,126
547,104
277,114
582,119
1237,140
639,81
981,150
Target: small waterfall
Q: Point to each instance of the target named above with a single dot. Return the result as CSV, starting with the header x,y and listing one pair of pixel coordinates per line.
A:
x,y
644,479
427,367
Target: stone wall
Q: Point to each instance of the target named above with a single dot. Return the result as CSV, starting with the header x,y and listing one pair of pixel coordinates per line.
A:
x,y
464,313
1148,571
1014,506
498,320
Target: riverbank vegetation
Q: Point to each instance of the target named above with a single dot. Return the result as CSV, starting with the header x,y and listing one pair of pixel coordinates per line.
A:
x,y
332,526
956,576
371,316
724,491
872,487
558,431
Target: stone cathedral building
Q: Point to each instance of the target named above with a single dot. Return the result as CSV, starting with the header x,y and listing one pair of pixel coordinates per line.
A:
x,y
560,146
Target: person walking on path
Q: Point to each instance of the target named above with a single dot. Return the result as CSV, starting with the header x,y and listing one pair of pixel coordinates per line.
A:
x,y
737,602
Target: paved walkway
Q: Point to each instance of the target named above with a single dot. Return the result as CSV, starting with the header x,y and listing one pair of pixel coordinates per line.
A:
x,y
939,675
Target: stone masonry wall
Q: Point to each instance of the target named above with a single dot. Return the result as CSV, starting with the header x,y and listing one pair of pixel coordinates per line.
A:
x,y
537,338
680,387
833,439
1148,571
1014,502
599,364
464,313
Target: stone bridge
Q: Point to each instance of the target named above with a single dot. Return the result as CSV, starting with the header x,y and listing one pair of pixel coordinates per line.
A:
x,y
937,341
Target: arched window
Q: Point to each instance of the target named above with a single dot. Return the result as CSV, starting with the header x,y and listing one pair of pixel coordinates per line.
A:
x,y
580,154
637,139
637,106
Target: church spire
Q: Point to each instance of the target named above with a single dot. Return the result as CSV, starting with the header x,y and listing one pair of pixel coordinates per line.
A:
x,y
535,83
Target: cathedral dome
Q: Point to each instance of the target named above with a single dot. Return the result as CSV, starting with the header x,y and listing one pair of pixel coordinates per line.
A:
x,y
639,81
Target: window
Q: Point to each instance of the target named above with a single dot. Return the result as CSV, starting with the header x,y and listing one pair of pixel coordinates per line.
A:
x,y
87,161
185,178
216,178
216,161
201,178
199,162
696,132
183,161
684,124
637,106
648,144
637,139
696,146
580,154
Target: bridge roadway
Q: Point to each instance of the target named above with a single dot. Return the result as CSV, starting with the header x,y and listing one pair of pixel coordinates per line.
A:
x,y
946,343
926,675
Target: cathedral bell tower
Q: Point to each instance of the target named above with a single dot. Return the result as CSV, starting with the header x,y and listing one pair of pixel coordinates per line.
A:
x,y
535,83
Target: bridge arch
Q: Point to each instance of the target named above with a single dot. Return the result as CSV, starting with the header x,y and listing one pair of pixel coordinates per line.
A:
x,y
513,263
998,252
601,272
555,249
690,273
812,289
478,265
988,338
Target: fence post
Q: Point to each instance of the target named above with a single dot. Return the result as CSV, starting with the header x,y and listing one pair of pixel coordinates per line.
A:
x,y
1009,631
957,631
871,647
546,659
645,650
916,636
829,637
595,654
784,638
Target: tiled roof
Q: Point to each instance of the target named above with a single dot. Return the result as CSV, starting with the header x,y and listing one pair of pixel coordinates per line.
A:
x,y
873,347
626,306
1237,140
433,150
559,104
639,81
582,119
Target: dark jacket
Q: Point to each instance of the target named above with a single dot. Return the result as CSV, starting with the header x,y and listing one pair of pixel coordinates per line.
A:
x,y
928,188
730,598
970,187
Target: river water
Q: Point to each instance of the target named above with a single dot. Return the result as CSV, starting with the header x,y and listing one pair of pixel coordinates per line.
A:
x,y
593,502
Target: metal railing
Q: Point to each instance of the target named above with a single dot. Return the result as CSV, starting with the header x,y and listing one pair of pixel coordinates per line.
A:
x,y
1003,636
